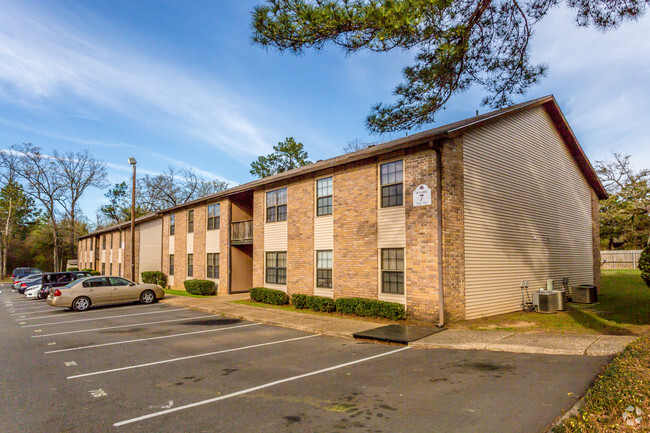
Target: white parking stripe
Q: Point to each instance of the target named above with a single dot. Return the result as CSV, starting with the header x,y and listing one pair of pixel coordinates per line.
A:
x,y
151,338
33,312
106,317
256,388
54,309
31,308
190,357
122,326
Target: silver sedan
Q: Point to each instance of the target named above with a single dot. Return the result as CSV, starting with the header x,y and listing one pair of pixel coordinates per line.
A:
x,y
101,290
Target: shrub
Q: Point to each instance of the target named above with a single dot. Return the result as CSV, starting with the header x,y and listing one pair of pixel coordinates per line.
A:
x,y
269,296
370,308
73,269
154,277
319,303
299,301
92,272
200,287
644,264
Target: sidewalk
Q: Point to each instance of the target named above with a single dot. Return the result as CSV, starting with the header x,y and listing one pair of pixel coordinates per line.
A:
x,y
551,344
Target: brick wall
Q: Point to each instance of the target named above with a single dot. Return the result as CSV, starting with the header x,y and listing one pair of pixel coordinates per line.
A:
x,y
300,237
258,237
355,272
200,227
165,248
180,249
224,247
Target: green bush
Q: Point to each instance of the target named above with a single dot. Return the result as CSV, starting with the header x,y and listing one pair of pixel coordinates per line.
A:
x,y
370,308
154,277
644,264
299,301
73,269
92,272
200,287
269,296
320,303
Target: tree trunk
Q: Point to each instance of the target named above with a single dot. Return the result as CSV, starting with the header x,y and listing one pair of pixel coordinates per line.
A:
x,y
5,237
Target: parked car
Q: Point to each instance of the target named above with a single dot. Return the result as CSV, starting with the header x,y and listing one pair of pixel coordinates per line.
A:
x,y
21,272
26,279
59,279
81,294
29,284
32,292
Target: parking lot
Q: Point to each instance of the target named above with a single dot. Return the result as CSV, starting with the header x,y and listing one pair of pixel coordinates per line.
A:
x,y
158,368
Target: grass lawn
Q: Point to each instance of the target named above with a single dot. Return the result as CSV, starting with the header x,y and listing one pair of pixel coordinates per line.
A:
x,y
620,399
182,293
624,309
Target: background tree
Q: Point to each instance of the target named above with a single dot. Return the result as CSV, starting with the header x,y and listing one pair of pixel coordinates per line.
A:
x,y
287,154
17,212
119,208
459,43
624,216
77,172
357,144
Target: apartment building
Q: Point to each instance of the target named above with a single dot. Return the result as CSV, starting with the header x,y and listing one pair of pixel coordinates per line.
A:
x,y
455,217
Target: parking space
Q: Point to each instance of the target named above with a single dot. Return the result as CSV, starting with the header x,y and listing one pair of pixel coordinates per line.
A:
x,y
162,368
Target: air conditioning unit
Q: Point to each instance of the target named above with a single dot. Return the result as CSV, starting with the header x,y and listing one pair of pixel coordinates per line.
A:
x,y
545,301
585,294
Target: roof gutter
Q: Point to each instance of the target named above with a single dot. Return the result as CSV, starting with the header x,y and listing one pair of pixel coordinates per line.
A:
x,y
441,276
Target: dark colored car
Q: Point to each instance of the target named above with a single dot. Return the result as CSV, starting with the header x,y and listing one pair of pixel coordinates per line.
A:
x,y
59,279
28,282
21,272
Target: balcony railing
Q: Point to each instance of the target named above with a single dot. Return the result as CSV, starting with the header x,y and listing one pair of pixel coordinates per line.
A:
x,y
241,232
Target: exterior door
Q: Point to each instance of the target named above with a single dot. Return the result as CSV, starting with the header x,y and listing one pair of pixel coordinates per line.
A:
x,y
122,290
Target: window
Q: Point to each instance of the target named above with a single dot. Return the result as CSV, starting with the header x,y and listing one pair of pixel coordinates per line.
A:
x,y
171,264
190,221
190,265
213,265
95,282
276,205
114,281
392,271
121,245
104,242
103,268
276,268
172,224
324,269
119,269
110,269
214,210
391,184
111,244
324,196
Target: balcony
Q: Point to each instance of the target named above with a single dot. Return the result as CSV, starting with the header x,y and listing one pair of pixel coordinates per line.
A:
x,y
241,233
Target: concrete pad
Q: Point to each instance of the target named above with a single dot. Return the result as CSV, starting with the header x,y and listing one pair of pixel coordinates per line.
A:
x,y
403,334
550,344
609,345
461,339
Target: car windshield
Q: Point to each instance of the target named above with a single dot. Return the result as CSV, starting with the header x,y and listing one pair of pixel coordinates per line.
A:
x,y
70,284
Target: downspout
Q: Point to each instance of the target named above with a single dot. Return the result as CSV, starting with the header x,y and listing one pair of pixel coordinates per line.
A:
x,y
441,279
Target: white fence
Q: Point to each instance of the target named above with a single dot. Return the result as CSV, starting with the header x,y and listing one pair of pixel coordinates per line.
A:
x,y
620,259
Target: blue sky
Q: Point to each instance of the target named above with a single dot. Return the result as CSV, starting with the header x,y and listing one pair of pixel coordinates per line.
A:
x,y
178,83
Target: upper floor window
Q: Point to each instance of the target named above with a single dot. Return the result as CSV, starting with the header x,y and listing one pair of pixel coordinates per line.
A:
x,y
104,242
172,224
214,210
276,205
190,221
111,244
391,184
121,245
324,196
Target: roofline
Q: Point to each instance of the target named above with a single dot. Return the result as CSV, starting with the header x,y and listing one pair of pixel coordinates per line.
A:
x,y
125,224
448,131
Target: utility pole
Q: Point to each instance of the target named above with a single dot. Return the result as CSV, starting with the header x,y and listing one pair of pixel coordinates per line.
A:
x,y
132,161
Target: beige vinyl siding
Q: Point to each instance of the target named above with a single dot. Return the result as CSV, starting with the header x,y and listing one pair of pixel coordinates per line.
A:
x,y
171,244
275,236
150,246
212,239
120,256
527,213
324,232
190,243
391,227
170,281
103,256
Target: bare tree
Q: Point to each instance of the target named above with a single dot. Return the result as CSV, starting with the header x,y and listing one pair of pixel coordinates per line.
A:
x,y
357,144
77,172
42,182
8,167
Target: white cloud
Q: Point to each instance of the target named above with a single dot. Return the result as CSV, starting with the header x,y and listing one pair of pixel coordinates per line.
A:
x,y
46,58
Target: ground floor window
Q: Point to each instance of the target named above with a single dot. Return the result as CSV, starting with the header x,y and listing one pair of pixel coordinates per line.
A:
x,y
119,269
103,268
324,269
276,267
213,265
392,270
110,269
171,264
190,265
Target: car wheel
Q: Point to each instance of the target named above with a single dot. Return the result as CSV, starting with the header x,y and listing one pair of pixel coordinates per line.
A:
x,y
81,304
147,297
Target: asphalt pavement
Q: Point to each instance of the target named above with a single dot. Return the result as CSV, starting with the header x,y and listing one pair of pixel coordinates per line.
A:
x,y
165,368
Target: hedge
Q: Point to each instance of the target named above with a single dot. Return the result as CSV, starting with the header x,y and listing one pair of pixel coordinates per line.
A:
x,y
200,287
269,296
72,269
92,272
370,308
644,265
315,303
154,277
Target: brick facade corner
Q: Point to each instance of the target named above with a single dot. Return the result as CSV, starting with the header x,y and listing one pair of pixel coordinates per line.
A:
x,y
224,247
258,237
300,237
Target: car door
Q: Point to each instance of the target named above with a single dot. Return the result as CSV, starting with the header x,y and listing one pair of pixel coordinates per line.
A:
x,y
123,290
98,290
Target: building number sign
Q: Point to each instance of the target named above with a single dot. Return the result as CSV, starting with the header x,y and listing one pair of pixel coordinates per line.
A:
x,y
422,196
